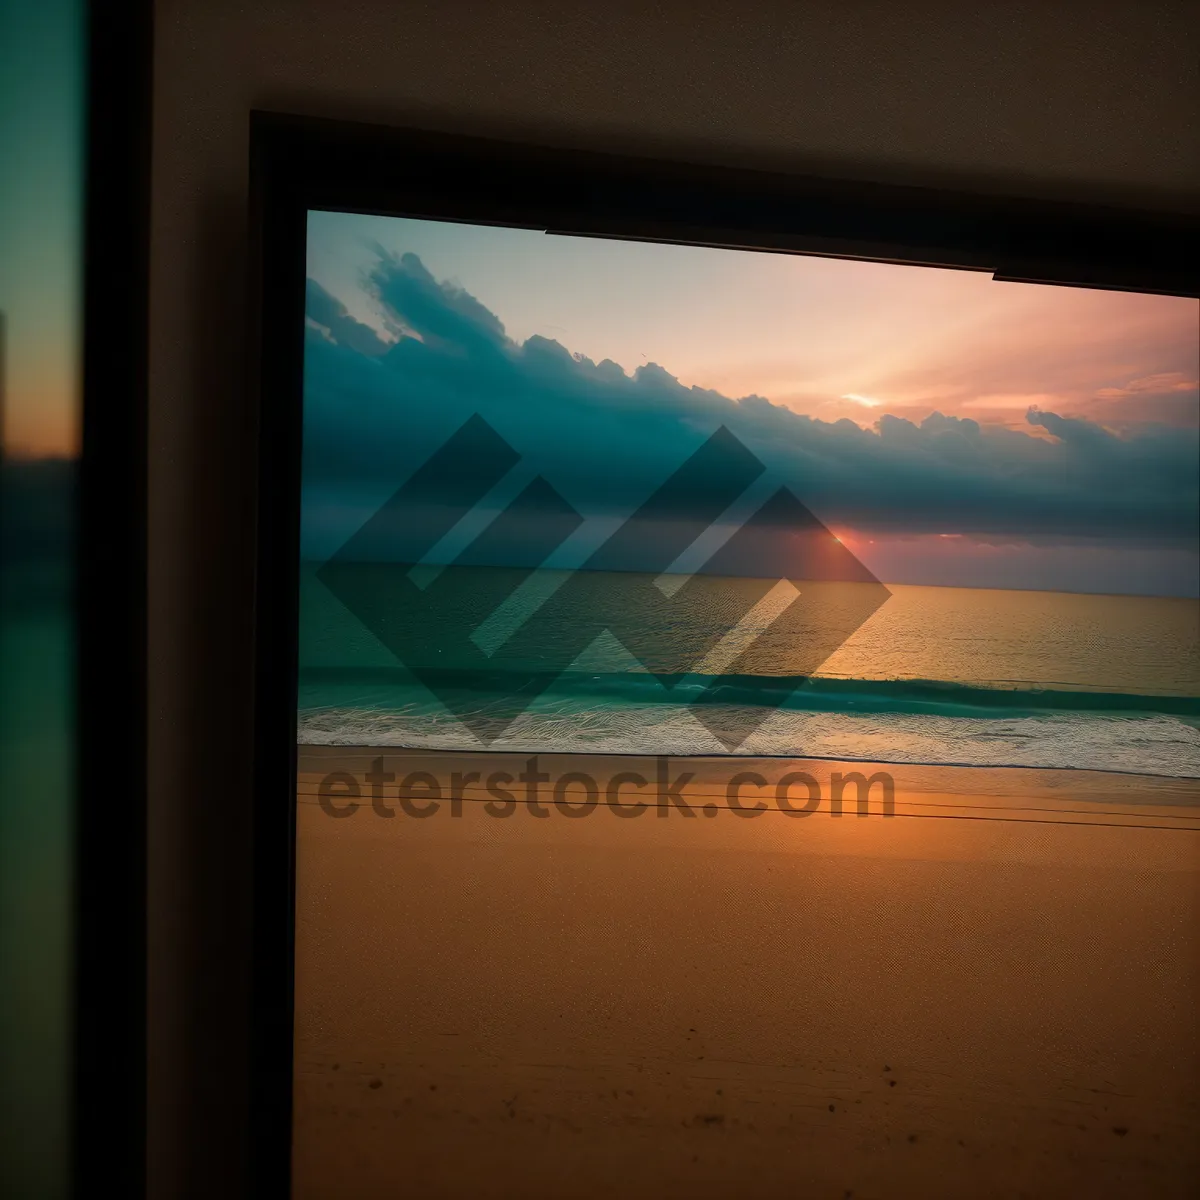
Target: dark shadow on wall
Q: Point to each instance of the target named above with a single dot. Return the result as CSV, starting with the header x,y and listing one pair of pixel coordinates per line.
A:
x,y
201,842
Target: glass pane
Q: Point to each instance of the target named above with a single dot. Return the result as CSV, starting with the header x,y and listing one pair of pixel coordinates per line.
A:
x,y
749,724
41,203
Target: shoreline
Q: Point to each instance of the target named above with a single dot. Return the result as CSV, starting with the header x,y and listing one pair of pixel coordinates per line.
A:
x,y
359,747
1040,789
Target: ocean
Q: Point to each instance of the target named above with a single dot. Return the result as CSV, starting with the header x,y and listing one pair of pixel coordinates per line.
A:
x,y
953,676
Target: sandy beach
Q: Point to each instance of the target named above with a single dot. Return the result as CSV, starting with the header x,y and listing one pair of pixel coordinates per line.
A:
x,y
990,993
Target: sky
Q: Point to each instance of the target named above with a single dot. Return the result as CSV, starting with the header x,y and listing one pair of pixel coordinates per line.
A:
x,y
948,428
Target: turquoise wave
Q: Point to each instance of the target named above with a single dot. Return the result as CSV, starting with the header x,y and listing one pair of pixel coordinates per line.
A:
x,y
818,694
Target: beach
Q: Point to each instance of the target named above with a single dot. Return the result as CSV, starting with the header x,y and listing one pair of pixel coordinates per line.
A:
x,y
990,992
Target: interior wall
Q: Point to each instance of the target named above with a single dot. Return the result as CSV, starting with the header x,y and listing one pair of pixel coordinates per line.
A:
x,y
1094,101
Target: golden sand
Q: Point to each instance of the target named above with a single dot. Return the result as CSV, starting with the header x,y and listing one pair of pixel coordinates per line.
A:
x,y
989,994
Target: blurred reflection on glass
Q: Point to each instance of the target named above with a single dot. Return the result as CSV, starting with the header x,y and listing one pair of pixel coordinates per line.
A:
x,y
41,203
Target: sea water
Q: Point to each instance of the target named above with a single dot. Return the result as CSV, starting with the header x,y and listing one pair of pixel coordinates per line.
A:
x,y
935,675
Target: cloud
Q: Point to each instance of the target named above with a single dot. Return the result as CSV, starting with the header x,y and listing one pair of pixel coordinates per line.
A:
x,y
605,438
329,316
439,315
1161,384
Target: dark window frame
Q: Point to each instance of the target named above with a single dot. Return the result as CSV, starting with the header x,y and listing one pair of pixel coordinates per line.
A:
x,y
300,163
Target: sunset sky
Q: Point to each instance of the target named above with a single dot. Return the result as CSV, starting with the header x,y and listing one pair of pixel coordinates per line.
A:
x,y
826,337
1063,456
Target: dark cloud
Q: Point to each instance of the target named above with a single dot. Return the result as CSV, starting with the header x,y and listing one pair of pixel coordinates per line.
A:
x,y
329,314
446,318
604,439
